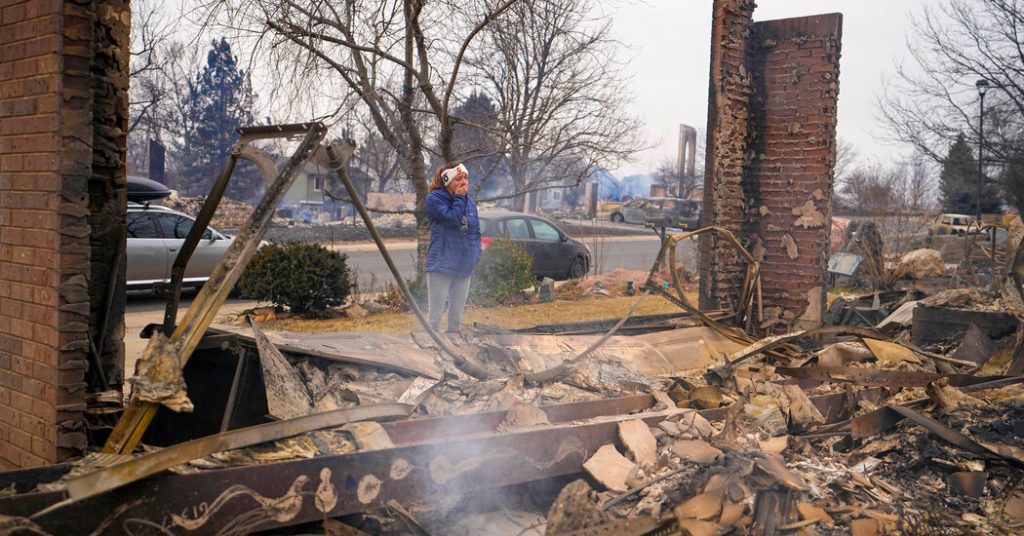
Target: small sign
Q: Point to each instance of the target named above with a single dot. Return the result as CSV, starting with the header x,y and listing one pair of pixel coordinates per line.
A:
x,y
844,264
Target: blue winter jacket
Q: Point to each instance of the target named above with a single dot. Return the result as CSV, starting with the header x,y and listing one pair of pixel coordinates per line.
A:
x,y
451,250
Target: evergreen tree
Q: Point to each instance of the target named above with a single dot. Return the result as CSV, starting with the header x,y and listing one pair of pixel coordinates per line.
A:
x,y
475,143
220,101
959,182
1013,182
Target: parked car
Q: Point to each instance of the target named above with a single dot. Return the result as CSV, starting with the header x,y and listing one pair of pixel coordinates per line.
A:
x,y
155,235
955,224
672,211
555,254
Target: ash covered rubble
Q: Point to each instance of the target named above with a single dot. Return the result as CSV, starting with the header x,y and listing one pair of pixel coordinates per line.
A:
x,y
909,423
841,430
689,426
772,462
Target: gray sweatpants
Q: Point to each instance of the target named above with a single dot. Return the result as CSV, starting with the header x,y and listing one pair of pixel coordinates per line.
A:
x,y
450,288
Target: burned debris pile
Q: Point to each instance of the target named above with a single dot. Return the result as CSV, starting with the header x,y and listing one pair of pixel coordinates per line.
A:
x,y
902,414
905,423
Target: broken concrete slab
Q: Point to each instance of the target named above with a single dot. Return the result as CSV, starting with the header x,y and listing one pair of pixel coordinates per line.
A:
x,y
639,441
704,506
775,466
368,435
696,450
610,468
694,424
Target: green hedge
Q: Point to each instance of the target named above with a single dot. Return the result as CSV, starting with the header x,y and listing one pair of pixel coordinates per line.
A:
x,y
309,279
503,273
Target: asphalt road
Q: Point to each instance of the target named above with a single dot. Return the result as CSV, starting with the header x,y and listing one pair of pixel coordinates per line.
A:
x,y
607,253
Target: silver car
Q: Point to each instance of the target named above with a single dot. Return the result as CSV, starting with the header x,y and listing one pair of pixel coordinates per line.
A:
x,y
155,235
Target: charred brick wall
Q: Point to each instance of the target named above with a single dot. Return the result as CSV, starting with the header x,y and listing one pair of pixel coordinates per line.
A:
x,y
63,69
772,139
726,158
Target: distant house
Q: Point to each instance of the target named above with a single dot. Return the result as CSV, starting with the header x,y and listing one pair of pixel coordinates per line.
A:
x,y
552,199
308,188
306,199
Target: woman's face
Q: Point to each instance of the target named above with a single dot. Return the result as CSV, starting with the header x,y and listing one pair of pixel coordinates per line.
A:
x,y
459,184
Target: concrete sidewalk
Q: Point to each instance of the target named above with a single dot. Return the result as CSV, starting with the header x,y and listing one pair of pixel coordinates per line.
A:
x,y
401,244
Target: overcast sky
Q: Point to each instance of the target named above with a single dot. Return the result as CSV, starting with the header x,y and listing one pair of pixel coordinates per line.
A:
x,y
670,45
669,50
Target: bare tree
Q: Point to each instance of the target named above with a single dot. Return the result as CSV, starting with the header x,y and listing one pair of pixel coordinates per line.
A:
x,y
869,189
918,184
377,160
846,157
152,28
1013,181
560,92
956,43
666,176
874,189
401,58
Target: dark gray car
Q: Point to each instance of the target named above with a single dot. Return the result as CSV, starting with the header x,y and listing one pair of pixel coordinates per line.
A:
x,y
555,254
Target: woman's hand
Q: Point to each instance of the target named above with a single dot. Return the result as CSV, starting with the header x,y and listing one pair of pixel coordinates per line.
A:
x,y
459,185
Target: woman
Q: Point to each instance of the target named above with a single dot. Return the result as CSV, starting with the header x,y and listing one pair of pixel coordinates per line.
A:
x,y
454,245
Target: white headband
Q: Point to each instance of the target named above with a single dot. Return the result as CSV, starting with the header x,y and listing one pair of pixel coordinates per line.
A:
x,y
450,173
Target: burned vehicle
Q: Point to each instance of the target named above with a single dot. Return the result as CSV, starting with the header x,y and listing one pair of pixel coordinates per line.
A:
x,y
661,211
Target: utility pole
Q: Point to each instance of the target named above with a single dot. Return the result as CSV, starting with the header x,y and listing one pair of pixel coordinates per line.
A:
x,y
982,86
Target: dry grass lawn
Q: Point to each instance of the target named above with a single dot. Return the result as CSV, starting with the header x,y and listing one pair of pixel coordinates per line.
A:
x,y
511,317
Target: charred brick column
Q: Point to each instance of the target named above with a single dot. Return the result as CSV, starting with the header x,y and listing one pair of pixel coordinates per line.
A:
x,y
726,158
771,140
795,66
63,111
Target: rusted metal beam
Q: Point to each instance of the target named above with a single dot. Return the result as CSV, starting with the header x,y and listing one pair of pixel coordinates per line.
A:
x,y
449,456
438,428
467,365
751,279
867,377
135,469
885,418
261,497
201,313
194,235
